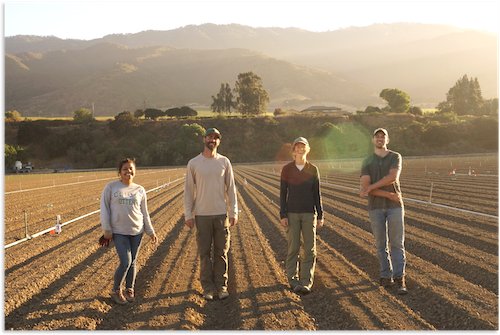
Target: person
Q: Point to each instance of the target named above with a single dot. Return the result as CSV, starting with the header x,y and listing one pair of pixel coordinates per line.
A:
x,y
380,181
124,218
301,211
210,174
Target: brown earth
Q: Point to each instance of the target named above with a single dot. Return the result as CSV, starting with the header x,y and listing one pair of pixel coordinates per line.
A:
x,y
63,281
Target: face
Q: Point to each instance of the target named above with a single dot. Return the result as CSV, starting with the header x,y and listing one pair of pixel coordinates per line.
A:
x,y
300,149
212,141
127,172
380,140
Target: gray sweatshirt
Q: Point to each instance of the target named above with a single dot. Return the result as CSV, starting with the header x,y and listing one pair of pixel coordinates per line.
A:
x,y
124,210
211,178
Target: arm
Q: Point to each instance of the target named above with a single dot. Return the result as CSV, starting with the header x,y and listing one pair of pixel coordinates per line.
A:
x,y
373,189
148,227
189,196
106,213
231,195
283,198
317,200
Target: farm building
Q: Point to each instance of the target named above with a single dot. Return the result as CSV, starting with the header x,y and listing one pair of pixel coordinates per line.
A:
x,y
322,109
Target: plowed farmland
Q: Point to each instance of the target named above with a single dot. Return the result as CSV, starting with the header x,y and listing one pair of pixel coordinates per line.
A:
x,y
63,281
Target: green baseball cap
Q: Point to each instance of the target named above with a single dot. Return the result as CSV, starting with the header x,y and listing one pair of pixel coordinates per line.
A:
x,y
212,130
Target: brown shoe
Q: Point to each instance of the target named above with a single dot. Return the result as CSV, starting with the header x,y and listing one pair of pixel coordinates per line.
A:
x,y
129,294
386,282
117,296
400,285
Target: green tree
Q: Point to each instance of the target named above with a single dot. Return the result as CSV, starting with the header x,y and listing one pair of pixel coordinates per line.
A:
x,y
372,110
139,113
398,101
32,132
252,98
14,153
83,115
124,123
224,100
465,98
153,113
188,143
415,110
14,116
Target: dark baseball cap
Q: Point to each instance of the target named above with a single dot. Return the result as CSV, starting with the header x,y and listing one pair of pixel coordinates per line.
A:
x,y
212,130
382,130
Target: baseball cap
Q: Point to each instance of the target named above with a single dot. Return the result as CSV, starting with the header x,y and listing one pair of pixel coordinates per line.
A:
x,y
382,130
300,140
212,130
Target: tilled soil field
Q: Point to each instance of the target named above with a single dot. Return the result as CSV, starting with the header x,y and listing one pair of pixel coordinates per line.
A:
x,y
63,281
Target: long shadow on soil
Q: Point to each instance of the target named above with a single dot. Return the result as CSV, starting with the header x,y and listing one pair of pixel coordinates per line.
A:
x,y
48,251
17,318
366,262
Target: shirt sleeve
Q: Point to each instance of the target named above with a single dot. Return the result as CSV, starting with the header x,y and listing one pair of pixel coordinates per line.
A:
x,y
317,195
148,227
365,166
396,162
106,210
283,193
189,185
231,191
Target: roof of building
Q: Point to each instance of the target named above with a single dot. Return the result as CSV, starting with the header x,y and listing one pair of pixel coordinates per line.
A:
x,y
321,108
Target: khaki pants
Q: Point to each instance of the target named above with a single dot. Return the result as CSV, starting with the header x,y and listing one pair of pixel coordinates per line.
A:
x,y
297,223
213,231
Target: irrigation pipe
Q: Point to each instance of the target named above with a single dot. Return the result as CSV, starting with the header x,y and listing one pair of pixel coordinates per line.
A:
x,y
71,221
427,203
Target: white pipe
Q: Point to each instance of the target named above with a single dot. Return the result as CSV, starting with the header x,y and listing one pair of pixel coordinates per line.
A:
x,y
427,203
65,223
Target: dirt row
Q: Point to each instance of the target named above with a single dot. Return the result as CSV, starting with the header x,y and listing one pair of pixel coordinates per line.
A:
x,y
63,281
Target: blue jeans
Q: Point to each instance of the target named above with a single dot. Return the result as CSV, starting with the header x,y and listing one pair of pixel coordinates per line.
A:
x,y
127,248
388,228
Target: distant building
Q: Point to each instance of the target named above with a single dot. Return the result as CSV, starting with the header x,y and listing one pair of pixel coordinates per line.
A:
x,y
322,109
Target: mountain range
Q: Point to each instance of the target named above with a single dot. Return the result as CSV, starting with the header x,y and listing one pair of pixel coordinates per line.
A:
x,y
348,68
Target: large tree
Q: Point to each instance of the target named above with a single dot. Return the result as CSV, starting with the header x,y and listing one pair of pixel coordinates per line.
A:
x,y
465,98
398,101
224,100
83,115
252,98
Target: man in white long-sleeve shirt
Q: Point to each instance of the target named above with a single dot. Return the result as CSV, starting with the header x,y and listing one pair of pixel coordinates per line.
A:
x,y
210,176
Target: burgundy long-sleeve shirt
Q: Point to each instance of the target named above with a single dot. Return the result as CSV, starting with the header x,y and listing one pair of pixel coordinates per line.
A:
x,y
299,191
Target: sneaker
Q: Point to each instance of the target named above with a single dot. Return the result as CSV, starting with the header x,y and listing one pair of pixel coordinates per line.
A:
x,y
400,285
223,294
117,296
386,282
209,296
297,289
129,294
305,290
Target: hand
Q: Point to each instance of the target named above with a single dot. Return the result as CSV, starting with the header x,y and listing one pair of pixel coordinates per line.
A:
x,y
232,221
190,223
319,223
363,193
108,237
154,239
284,222
395,197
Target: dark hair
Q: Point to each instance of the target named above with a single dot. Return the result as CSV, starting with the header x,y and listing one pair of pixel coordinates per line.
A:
x,y
123,162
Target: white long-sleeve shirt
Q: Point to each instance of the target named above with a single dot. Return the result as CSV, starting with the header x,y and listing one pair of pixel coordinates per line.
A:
x,y
212,178
124,210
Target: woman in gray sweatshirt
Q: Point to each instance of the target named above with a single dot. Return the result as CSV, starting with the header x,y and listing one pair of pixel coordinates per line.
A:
x,y
124,218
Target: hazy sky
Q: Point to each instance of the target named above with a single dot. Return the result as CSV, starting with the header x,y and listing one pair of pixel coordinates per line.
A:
x,y
92,19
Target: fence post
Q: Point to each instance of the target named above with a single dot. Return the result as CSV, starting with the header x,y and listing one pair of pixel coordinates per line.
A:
x,y
430,196
25,224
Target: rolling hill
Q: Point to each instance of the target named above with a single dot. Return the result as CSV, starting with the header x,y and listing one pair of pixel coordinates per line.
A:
x,y
347,67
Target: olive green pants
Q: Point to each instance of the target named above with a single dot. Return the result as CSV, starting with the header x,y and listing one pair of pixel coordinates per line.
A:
x,y
297,223
212,233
